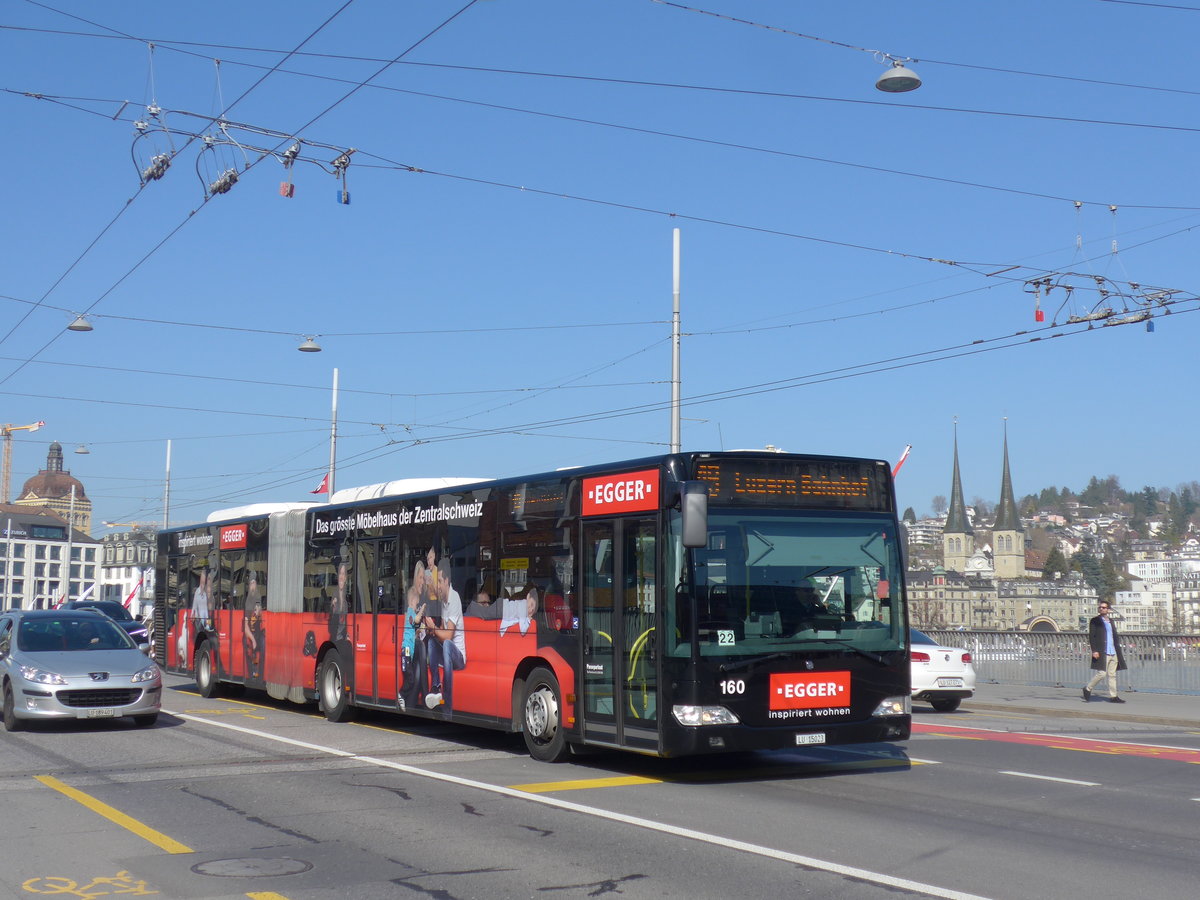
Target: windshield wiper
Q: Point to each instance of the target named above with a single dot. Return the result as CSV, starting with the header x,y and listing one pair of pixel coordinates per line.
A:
x,y
869,654
753,661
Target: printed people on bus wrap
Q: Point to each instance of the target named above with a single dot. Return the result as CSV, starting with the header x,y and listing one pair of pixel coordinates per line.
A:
x,y
337,603
413,659
200,601
253,631
447,642
520,610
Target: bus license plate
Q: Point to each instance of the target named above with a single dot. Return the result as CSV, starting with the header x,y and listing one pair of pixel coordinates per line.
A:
x,y
100,713
818,738
949,682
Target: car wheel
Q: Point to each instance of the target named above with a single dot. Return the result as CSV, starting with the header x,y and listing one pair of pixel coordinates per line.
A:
x,y
145,721
945,704
541,718
335,698
11,722
206,671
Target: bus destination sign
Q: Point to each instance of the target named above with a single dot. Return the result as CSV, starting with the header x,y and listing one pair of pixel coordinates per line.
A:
x,y
825,483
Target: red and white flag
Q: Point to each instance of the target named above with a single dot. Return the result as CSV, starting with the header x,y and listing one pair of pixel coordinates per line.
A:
x,y
137,587
903,457
323,487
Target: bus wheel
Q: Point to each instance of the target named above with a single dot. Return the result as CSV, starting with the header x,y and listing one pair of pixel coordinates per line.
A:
x,y
335,700
542,725
206,671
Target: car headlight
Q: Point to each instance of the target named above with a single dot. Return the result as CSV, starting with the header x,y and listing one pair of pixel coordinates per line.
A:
x,y
150,673
41,676
703,715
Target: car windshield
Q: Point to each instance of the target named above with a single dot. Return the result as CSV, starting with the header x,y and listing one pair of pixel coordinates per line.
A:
x,y
110,608
48,634
780,580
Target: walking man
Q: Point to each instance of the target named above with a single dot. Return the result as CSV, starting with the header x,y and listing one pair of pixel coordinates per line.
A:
x,y
1107,659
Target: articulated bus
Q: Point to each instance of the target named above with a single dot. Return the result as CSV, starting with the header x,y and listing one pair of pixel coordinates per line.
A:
x,y
682,604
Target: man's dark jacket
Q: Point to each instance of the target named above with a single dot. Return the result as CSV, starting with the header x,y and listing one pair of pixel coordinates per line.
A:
x,y
1099,644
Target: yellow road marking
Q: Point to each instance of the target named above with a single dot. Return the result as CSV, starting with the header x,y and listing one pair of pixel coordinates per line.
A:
x,y
266,895
129,823
546,787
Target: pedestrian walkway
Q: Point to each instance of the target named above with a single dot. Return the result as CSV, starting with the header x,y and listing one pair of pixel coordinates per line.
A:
x,y
1142,707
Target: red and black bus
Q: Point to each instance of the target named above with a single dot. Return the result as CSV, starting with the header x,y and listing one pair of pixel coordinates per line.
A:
x,y
681,604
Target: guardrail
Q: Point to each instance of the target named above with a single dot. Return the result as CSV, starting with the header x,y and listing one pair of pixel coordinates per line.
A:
x,y
1162,663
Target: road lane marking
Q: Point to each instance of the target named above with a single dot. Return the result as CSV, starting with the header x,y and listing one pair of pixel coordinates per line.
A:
x,y
584,783
810,862
1064,742
1052,778
129,823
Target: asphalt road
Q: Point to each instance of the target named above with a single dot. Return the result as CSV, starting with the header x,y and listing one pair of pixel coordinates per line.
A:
x,y
1015,797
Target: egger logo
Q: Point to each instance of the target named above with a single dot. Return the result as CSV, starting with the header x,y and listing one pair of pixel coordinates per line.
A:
x,y
809,690
233,537
627,492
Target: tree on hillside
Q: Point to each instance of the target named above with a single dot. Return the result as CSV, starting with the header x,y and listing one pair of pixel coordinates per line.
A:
x,y
1101,493
1089,567
939,505
1056,566
909,516
1049,498
1112,579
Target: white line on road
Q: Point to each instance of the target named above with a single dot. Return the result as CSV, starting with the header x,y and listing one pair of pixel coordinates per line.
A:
x,y
929,890
1052,778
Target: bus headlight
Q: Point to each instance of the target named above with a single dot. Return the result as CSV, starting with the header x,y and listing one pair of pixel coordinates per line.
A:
x,y
703,715
894,706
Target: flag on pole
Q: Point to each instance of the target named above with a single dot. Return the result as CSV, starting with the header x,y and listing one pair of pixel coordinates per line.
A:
x,y
137,587
903,457
323,487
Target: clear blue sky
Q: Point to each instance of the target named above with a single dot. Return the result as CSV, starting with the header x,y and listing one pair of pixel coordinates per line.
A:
x,y
507,308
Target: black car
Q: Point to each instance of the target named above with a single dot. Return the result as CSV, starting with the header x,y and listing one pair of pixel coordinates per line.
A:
x,y
117,613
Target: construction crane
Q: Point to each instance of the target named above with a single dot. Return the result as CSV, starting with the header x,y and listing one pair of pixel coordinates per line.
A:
x,y
8,431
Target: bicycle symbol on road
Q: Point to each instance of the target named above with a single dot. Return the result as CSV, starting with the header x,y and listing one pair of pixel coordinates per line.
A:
x,y
101,886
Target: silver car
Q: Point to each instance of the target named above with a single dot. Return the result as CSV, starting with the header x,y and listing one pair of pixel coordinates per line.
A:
x,y
62,664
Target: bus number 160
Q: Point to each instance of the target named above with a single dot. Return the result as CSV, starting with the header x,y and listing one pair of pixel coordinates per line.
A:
x,y
733,686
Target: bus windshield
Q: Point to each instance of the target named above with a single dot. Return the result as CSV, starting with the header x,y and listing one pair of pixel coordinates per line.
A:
x,y
781,580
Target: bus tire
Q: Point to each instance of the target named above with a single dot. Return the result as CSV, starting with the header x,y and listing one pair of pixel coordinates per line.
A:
x,y
541,717
331,688
206,671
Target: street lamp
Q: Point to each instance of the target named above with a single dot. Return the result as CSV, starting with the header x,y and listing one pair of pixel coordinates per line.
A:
x,y
899,79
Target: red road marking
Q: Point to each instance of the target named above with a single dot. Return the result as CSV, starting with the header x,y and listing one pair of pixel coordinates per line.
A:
x,y
1059,742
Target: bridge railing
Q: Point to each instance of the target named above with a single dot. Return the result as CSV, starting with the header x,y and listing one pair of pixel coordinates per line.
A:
x,y
1163,663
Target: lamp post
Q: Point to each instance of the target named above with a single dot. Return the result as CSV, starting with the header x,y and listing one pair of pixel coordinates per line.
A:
x,y
7,472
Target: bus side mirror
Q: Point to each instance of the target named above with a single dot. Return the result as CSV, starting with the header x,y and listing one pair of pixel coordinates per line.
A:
x,y
693,506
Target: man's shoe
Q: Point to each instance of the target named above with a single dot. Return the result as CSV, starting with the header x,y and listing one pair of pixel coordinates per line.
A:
x,y
1087,695
1115,700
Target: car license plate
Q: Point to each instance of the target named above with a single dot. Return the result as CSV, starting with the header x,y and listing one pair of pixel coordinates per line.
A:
x,y
950,682
818,738
103,712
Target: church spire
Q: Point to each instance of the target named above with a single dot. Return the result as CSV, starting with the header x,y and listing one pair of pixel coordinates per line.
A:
x,y
956,518
1007,517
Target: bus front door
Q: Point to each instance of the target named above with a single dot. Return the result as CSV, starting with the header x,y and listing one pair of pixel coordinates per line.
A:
x,y
620,683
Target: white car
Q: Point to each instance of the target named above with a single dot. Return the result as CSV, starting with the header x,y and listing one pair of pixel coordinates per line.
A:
x,y
942,676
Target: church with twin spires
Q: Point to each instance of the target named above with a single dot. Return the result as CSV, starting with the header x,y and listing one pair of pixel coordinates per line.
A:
x,y
1004,558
